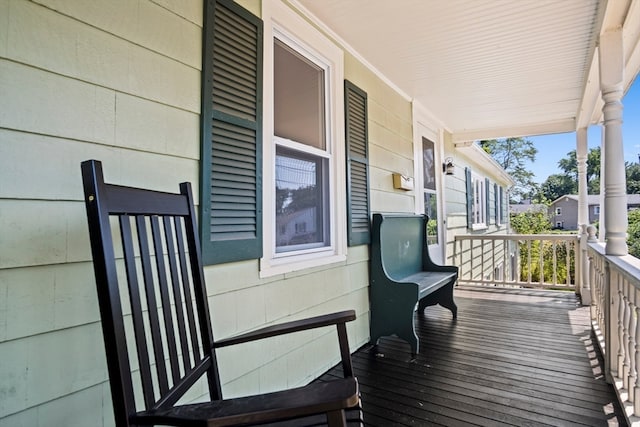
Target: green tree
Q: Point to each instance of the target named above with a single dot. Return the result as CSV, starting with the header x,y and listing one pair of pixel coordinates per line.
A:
x,y
530,222
633,178
569,165
512,154
593,170
558,185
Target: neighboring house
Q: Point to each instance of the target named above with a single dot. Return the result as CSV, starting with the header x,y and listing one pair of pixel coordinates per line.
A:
x,y
299,227
280,101
563,212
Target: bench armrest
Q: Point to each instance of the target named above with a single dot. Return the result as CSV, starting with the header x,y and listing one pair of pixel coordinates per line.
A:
x,y
288,327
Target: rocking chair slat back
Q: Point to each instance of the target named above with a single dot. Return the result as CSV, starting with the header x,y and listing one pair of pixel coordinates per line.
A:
x,y
152,228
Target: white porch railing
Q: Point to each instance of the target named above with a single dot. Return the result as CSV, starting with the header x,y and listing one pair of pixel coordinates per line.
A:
x,y
615,314
518,260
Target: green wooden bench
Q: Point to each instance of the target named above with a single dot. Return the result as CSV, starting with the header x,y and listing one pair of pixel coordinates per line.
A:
x,y
403,276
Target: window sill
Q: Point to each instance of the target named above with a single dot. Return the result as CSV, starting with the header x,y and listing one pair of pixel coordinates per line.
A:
x,y
477,227
274,267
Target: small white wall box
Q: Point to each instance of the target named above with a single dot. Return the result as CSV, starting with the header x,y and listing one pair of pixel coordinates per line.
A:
x,y
402,182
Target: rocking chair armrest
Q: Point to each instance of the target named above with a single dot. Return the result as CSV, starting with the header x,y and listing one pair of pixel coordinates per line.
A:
x,y
337,318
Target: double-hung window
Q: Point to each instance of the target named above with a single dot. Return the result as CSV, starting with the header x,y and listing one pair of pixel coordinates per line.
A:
x,y
304,206
302,196
477,200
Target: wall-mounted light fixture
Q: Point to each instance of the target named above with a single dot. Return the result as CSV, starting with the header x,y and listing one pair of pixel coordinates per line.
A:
x,y
447,167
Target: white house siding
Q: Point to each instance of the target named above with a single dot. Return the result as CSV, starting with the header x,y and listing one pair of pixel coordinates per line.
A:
x,y
119,81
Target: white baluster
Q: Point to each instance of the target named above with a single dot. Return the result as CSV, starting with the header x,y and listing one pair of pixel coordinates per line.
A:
x,y
624,344
621,351
633,325
635,393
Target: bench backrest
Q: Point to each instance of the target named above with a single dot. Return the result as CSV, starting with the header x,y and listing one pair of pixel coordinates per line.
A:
x,y
402,242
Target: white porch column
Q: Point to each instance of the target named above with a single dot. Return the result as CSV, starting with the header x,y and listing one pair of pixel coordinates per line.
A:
x,y
581,157
582,273
602,229
615,197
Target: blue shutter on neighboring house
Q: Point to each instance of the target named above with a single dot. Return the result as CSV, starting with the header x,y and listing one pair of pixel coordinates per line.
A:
x,y
496,203
503,205
469,187
487,202
356,136
231,132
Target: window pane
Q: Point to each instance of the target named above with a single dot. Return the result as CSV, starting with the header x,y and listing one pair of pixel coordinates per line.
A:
x,y
479,214
428,162
431,209
301,207
298,98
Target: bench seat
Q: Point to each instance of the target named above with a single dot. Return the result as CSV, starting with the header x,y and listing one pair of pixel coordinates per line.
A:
x,y
403,277
429,281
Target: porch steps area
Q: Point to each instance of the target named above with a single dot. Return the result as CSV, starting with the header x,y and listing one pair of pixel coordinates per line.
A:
x,y
519,357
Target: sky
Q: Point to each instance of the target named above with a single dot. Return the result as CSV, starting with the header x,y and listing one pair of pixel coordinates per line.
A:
x,y
552,148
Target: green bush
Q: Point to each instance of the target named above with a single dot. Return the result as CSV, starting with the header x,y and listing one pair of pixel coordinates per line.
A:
x,y
547,261
633,233
537,222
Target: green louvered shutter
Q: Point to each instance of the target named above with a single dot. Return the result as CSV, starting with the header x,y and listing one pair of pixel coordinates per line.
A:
x,y
358,225
231,120
469,188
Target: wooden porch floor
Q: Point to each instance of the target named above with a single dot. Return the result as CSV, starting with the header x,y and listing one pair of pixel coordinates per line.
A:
x,y
513,357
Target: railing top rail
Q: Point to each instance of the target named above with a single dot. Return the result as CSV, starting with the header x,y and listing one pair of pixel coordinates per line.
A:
x,y
557,237
597,247
628,265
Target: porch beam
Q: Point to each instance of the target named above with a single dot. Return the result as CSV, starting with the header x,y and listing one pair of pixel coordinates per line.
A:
x,y
545,128
603,230
612,87
581,157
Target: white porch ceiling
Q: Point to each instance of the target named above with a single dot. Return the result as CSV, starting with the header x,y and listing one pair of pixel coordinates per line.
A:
x,y
486,68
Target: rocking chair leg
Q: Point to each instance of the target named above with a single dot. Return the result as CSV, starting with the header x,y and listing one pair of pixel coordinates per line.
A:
x,y
336,419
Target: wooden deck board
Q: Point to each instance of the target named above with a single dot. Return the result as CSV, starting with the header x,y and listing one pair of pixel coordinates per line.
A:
x,y
517,357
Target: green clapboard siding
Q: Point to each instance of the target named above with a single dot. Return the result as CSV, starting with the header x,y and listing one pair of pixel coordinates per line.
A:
x,y
231,166
358,224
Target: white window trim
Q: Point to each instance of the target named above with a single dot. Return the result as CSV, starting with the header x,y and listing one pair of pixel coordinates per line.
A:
x,y
558,211
480,197
282,22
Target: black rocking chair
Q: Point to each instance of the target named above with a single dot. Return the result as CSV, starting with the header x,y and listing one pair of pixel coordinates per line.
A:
x,y
171,340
